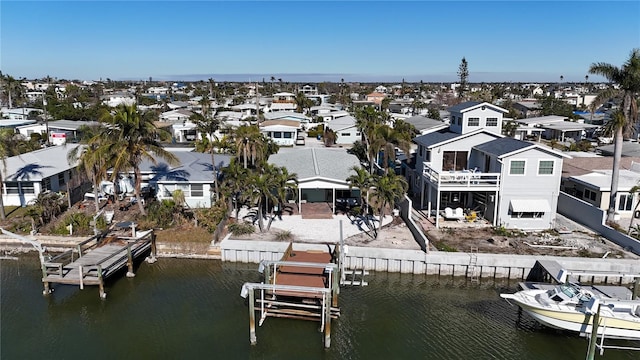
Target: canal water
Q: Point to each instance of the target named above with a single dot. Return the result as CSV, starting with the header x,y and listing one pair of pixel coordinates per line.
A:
x,y
191,309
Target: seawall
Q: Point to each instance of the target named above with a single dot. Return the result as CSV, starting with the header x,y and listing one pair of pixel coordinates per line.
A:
x,y
435,263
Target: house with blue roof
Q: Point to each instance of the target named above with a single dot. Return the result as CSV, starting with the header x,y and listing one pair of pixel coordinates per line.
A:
x,y
470,165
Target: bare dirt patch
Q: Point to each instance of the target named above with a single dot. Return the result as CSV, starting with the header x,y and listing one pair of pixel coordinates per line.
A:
x,y
500,241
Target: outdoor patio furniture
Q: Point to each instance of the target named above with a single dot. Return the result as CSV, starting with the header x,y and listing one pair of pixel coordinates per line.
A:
x,y
450,214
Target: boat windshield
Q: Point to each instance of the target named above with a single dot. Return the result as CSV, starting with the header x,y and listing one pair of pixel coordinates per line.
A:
x,y
569,290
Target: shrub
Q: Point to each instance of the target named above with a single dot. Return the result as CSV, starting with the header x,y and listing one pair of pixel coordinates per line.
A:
x,y
441,246
244,228
284,235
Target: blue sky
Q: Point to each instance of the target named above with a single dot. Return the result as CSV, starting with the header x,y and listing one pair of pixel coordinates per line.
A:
x,y
315,40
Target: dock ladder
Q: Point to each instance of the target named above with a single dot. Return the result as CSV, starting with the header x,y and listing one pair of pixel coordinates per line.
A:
x,y
473,261
356,275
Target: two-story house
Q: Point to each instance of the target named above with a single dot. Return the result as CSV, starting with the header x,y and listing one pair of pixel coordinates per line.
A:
x,y
471,165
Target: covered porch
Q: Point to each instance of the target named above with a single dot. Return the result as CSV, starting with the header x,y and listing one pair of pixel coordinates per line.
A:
x,y
335,194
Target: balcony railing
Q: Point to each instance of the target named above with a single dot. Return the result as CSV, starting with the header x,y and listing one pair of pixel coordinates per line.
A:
x,y
464,178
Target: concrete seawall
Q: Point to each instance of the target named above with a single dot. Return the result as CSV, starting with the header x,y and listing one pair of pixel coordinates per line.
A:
x,y
435,263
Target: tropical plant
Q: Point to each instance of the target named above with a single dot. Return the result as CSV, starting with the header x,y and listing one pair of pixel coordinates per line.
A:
x,y
627,79
234,178
128,139
387,139
361,180
90,159
209,125
386,189
250,144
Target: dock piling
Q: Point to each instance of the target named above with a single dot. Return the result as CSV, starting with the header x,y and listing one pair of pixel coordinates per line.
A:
x,y
130,273
252,317
103,294
327,325
80,277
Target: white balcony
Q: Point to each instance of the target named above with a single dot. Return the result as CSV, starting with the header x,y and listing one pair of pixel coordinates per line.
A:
x,y
461,180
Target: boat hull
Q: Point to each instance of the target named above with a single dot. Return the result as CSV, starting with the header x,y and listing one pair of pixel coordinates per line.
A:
x,y
580,322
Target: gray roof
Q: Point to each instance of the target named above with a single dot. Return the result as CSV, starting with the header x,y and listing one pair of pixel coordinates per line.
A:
x,y
503,146
342,122
71,124
193,167
422,123
39,164
463,106
436,137
316,162
628,149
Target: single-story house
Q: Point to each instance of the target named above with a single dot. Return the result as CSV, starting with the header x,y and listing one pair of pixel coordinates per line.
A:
x,y
27,175
282,132
346,130
322,173
176,115
194,176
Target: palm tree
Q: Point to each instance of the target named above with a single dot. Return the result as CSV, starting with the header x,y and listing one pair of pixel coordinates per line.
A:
x,y
249,143
301,101
127,140
260,188
361,180
234,179
367,119
209,125
627,78
386,138
386,189
285,183
90,159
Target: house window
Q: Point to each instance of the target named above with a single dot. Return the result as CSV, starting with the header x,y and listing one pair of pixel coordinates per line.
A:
x,y
454,160
625,202
27,188
527,215
427,156
589,195
11,187
197,190
345,134
61,179
46,184
492,122
460,120
288,135
474,121
277,135
420,150
545,167
516,167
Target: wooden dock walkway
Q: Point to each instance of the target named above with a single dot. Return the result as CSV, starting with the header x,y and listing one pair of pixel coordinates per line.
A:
x,y
97,262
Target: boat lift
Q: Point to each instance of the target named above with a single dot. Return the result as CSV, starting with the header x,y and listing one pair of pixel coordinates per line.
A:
x,y
594,309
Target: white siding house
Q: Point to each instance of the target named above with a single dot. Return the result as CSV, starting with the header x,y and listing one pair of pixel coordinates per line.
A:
x,y
510,182
29,174
282,132
346,130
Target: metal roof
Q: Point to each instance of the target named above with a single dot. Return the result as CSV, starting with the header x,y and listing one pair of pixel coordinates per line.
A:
x,y
316,163
193,167
436,137
503,146
39,164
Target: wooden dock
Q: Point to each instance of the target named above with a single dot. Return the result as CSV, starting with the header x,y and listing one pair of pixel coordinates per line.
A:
x,y
98,258
303,285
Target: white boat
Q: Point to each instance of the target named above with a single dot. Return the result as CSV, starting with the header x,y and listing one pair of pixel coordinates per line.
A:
x,y
570,307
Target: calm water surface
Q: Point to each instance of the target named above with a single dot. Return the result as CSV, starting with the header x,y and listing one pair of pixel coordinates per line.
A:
x,y
187,309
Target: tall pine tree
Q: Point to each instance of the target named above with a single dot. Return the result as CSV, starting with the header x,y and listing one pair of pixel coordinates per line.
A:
x,y
463,74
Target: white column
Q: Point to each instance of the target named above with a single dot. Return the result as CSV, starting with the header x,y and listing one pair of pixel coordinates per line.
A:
x,y
438,208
